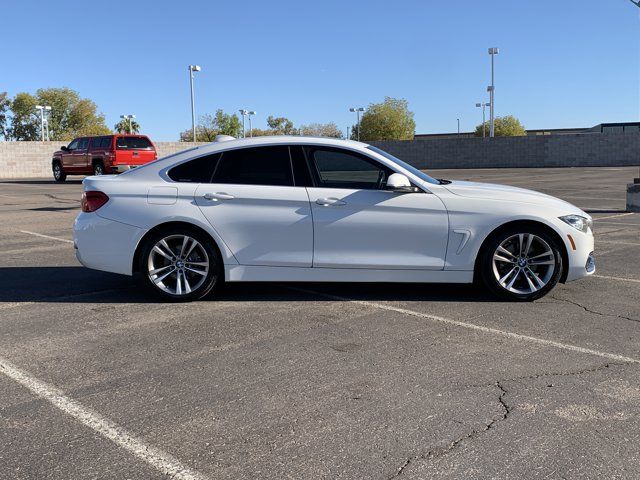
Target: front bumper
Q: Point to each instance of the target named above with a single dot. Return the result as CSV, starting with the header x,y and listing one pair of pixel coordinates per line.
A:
x,y
581,259
104,244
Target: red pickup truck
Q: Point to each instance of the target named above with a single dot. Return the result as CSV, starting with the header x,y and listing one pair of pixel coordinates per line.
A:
x,y
103,154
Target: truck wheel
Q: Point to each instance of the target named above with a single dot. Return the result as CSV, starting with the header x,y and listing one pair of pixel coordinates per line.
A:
x,y
58,173
98,168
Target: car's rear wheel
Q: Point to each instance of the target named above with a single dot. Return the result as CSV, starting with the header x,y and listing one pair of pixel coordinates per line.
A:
x,y
521,263
180,264
98,168
58,173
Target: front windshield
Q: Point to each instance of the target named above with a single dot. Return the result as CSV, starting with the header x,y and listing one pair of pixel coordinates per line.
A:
x,y
418,173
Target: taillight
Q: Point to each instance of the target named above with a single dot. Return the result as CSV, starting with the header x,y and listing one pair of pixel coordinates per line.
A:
x,y
93,200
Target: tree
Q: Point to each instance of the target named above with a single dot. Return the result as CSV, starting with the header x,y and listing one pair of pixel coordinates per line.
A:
x,y
70,115
508,126
321,130
123,126
258,132
389,120
24,123
5,103
280,125
210,126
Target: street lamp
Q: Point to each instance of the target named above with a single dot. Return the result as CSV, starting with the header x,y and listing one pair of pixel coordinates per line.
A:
x,y
491,89
483,105
129,117
249,114
243,112
357,110
43,109
192,70
458,126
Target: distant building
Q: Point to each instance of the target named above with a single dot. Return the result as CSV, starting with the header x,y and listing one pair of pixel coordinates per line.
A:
x,y
629,127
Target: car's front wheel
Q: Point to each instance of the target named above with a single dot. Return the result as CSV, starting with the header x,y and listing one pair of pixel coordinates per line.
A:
x,y
521,263
180,264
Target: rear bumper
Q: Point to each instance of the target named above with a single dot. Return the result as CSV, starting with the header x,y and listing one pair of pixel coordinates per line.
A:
x,y
104,244
122,168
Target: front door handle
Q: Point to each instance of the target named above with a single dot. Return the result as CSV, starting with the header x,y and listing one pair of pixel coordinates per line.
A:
x,y
218,196
330,202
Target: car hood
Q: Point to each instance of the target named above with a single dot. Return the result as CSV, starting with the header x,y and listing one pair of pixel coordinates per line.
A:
x,y
506,193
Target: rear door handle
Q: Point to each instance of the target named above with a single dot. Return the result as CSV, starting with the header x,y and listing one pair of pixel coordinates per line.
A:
x,y
218,196
330,202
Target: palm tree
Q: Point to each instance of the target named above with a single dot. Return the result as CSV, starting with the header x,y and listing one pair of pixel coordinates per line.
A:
x,y
123,126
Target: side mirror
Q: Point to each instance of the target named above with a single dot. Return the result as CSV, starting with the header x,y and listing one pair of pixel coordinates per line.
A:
x,y
64,148
398,182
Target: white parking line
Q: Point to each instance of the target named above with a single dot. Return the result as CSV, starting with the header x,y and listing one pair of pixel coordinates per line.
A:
x,y
473,326
618,279
158,459
614,216
46,236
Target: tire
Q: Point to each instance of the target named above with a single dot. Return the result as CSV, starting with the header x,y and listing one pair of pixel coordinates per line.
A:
x,y
178,270
515,276
58,174
98,168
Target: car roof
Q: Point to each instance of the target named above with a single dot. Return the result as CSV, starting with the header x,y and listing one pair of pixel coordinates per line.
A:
x,y
274,140
198,151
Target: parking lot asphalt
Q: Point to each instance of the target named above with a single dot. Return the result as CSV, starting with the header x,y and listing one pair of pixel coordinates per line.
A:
x,y
100,380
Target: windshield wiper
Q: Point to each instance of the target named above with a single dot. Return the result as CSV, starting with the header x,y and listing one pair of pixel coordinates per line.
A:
x,y
443,181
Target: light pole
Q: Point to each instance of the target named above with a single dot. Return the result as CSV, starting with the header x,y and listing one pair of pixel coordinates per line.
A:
x,y
249,114
129,117
491,89
192,70
357,110
42,109
348,132
484,122
243,112
458,126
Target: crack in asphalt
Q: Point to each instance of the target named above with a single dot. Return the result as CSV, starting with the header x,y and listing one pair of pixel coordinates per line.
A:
x,y
61,200
536,376
506,411
588,310
438,451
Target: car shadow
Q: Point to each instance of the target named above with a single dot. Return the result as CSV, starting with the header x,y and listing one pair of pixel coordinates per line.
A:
x,y
71,284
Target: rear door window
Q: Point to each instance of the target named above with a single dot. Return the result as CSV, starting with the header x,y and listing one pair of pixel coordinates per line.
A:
x,y
100,142
255,166
133,143
195,171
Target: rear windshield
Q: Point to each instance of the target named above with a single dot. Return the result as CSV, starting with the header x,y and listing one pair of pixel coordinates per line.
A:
x,y
136,143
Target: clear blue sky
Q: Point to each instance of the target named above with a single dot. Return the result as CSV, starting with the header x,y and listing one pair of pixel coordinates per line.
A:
x,y
562,63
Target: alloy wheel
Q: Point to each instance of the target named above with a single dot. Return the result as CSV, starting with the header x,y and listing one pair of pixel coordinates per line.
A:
x,y
178,264
523,263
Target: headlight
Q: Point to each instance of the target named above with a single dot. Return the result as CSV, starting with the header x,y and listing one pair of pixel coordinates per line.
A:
x,y
578,222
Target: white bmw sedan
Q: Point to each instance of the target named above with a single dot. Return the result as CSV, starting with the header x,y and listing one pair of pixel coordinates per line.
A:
x,y
323,210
